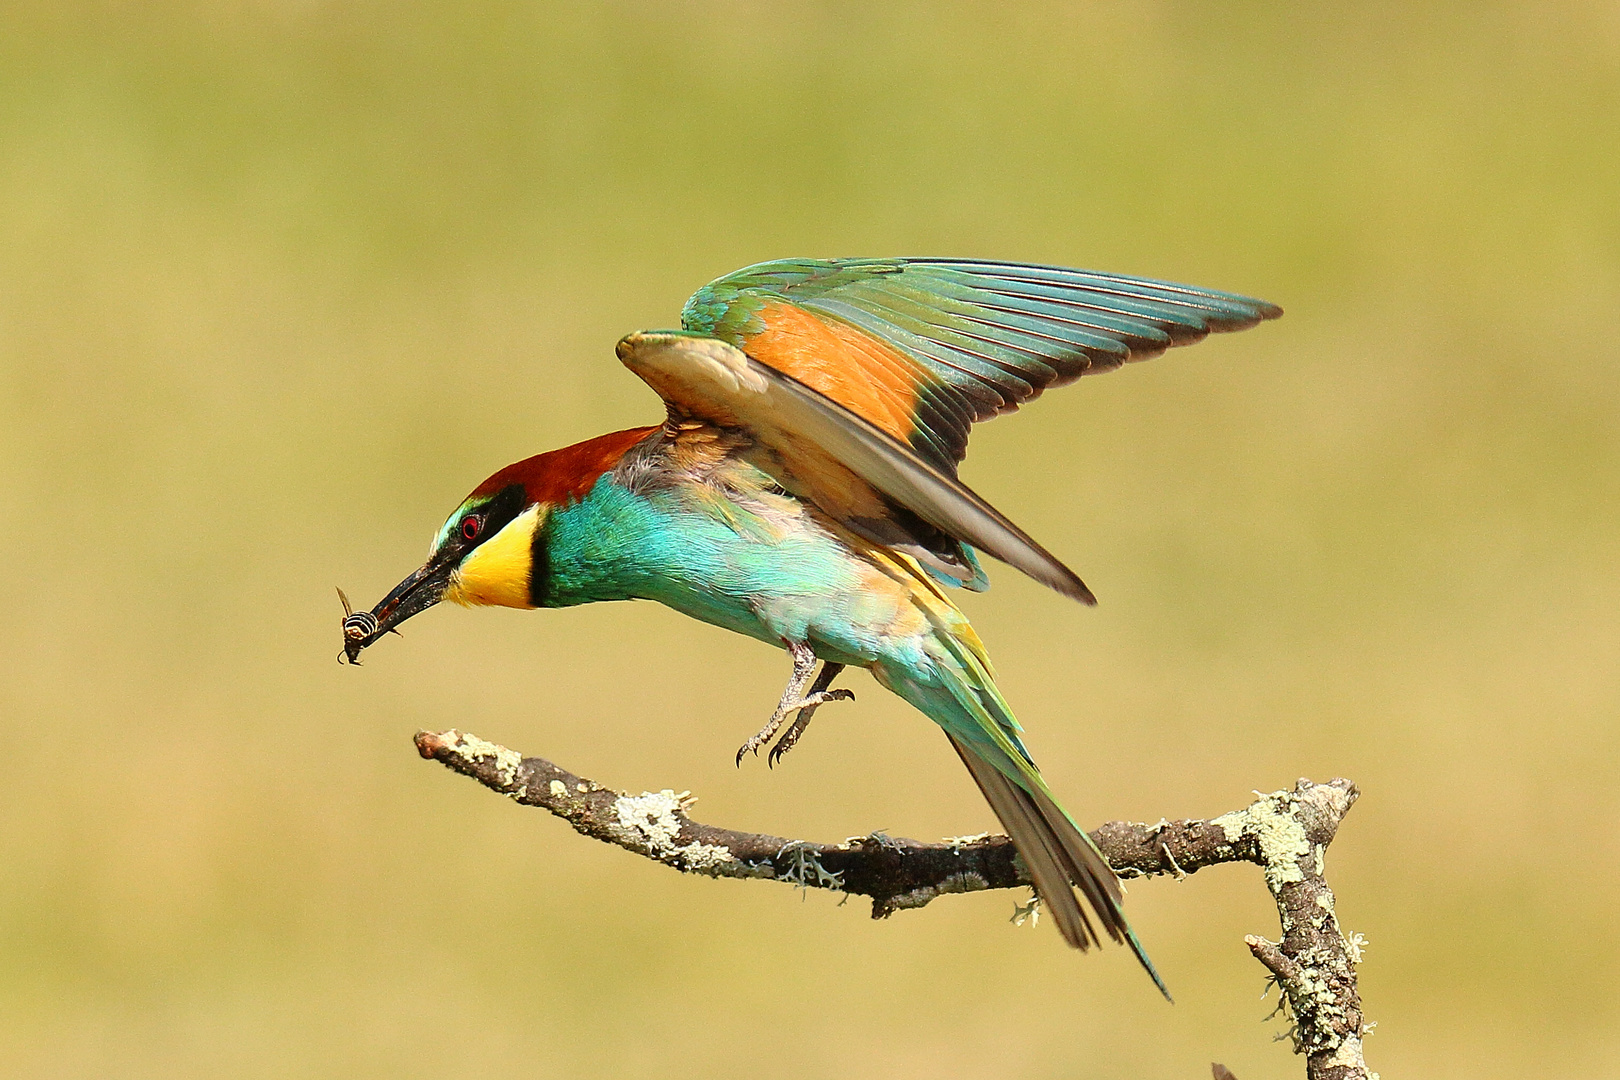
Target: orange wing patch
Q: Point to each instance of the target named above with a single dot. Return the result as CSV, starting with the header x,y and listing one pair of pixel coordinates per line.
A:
x,y
856,370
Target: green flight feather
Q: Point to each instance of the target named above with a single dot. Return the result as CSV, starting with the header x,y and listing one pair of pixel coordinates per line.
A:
x,y
994,335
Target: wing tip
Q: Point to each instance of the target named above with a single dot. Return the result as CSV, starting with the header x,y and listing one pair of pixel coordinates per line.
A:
x,y
1259,311
1071,586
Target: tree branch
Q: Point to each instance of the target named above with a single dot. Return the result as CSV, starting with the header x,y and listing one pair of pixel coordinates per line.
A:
x,y
1286,833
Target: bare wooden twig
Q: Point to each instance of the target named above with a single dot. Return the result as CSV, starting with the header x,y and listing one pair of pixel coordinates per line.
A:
x,y
1286,833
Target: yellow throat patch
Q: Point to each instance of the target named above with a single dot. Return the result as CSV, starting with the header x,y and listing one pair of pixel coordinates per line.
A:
x,y
497,571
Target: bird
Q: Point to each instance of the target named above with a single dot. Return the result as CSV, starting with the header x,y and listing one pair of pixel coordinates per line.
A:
x,y
802,489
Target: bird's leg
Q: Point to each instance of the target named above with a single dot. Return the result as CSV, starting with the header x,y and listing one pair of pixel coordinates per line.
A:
x,y
804,662
819,695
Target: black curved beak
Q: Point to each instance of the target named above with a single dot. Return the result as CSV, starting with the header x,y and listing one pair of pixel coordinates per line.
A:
x,y
415,594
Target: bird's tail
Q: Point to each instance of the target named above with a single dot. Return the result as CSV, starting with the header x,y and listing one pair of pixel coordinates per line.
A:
x,y
1061,858
959,693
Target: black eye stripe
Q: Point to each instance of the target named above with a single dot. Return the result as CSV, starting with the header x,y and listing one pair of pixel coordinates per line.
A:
x,y
489,518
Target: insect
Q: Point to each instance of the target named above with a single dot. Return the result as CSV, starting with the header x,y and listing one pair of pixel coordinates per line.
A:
x,y
359,630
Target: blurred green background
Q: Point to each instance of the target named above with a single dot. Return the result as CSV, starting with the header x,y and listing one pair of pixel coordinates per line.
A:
x,y
281,281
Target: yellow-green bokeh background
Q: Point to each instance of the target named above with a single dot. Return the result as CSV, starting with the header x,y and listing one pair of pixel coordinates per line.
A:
x,y
281,281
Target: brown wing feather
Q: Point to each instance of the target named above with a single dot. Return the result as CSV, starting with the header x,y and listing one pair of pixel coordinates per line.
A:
x,y
821,451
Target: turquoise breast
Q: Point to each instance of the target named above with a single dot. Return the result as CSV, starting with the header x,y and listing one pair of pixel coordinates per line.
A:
x,y
786,579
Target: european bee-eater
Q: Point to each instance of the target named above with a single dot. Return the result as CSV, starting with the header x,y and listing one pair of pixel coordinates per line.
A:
x,y
802,490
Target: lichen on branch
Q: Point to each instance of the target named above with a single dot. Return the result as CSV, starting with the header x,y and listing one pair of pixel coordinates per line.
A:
x,y
1286,833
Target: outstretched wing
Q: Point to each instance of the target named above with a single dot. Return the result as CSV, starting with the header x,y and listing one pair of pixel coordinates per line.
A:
x,y
857,380
923,348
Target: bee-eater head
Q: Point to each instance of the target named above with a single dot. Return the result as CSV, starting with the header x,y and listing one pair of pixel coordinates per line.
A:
x,y
484,554
491,550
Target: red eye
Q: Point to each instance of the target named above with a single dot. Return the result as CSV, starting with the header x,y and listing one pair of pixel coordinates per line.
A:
x,y
470,527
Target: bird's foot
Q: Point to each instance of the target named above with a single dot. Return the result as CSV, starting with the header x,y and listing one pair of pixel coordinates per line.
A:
x,y
794,699
807,708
